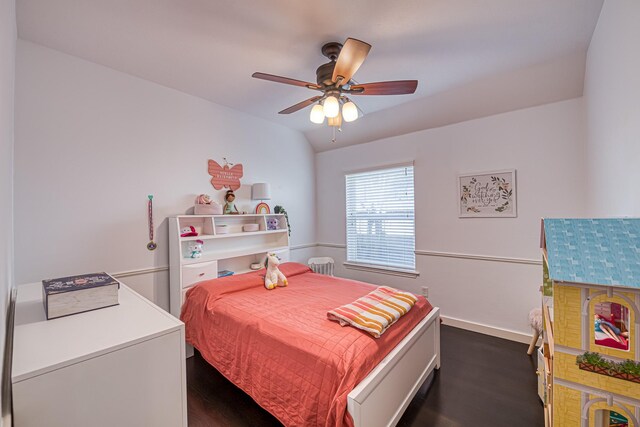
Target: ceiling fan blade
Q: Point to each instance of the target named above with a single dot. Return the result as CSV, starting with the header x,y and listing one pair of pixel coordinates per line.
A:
x,y
300,105
284,80
351,57
399,87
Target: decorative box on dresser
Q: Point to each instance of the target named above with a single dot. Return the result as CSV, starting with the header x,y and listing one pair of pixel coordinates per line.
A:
x,y
116,366
227,246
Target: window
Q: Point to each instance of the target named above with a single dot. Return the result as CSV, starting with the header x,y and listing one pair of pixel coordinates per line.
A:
x,y
380,217
611,325
608,418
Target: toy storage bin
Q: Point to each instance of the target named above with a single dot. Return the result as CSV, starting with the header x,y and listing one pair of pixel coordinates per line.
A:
x,y
212,209
222,229
251,227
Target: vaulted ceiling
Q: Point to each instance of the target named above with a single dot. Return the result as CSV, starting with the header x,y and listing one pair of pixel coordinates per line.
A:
x,y
472,58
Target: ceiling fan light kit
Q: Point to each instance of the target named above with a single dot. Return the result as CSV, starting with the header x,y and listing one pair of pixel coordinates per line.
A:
x,y
317,114
335,121
349,111
334,80
331,107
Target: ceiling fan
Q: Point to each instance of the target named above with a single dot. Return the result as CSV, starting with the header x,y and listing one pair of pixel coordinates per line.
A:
x,y
335,82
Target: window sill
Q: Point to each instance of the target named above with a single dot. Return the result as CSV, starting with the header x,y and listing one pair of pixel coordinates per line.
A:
x,y
392,271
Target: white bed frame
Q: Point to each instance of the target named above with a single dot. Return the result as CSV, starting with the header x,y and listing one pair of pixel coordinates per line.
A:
x,y
382,397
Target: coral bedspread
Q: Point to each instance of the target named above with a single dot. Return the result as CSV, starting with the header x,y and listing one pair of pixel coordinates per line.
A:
x,y
280,348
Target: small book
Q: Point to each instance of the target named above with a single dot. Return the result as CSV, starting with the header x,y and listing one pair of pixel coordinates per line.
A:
x,y
76,294
224,273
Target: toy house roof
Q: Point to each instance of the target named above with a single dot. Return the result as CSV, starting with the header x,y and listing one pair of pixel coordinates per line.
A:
x,y
593,251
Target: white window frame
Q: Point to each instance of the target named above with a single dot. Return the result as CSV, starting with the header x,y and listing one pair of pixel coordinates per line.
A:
x,y
374,267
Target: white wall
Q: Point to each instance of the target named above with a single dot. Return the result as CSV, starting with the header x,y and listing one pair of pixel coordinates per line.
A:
x,y
92,143
7,72
612,94
545,145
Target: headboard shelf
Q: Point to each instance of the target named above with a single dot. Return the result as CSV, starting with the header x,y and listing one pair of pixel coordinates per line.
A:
x,y
236,234
259,251
226,247
209,226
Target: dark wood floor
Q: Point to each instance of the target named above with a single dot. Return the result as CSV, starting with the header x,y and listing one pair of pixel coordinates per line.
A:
x,y
484,381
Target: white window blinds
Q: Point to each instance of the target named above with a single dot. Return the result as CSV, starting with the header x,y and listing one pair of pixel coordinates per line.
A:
x,y
380,217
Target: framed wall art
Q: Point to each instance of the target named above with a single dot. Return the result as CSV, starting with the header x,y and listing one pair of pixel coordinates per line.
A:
x,y
487,194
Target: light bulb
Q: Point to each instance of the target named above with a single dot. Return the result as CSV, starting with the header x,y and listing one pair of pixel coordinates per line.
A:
x,y
317,114
349,111
331,107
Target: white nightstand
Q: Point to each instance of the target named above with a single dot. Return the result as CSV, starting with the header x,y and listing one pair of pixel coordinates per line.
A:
x,y
116,366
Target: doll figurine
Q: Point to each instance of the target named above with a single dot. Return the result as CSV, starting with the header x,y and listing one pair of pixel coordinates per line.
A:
x,y
229,206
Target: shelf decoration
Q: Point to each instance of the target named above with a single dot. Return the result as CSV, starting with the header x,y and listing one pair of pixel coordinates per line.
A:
x,y
195,248
151,245
272,224
230,206
227,176
280,210
263,208
487,194
205,206
261,191
188,231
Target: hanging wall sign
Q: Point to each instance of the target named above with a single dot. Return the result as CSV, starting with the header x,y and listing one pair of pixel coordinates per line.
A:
x,y
227,176
487,194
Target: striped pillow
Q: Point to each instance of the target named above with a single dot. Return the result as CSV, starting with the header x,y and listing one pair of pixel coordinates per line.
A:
x,y
376,311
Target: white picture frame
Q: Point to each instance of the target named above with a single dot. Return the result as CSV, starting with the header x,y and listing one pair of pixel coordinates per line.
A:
x,y
489,194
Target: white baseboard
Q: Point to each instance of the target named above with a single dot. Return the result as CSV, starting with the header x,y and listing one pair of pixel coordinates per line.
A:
x,y
487,330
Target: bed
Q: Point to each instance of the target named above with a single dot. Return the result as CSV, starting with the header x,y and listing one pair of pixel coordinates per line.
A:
x,y
280,348
603,339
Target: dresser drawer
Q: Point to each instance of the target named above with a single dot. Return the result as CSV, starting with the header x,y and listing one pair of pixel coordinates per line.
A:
x,y
194,273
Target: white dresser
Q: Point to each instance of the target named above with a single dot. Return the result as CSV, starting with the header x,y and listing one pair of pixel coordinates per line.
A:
x,y
116,366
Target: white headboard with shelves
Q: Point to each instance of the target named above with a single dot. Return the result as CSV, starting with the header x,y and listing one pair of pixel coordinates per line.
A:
x,y
226,247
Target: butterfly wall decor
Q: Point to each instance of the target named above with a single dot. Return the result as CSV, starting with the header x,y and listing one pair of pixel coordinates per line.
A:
x,y
227,176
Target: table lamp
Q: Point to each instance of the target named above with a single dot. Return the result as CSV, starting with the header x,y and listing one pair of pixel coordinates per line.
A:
x,y
261,191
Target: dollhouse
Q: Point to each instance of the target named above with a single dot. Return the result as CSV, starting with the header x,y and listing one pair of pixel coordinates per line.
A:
x,y
592,334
